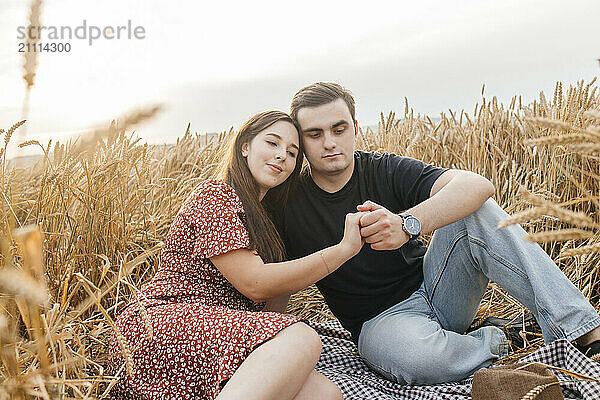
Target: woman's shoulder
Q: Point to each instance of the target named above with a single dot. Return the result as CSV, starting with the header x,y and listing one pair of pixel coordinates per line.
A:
x,y
213,186
211,194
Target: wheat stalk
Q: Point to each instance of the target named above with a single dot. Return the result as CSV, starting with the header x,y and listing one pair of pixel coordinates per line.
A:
x,y
569,139
11,130
30,64
589,249
88,141
29,238
125,352
535,392
558,235
551,123
146,318
20,284
120,199
585,148
523,216
121,340
593,114
7,137
571,217
29,143
37,143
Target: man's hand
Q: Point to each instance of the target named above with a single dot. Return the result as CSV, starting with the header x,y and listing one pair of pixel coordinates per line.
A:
x,y
381,228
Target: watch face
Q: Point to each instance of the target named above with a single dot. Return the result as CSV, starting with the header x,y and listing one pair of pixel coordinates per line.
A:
x,y
413,225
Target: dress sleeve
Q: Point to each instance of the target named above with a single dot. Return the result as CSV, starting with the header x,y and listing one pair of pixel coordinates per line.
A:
x,y
214,213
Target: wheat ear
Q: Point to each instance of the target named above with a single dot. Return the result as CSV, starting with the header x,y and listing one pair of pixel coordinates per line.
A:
x,y
30,65
593,248
558,236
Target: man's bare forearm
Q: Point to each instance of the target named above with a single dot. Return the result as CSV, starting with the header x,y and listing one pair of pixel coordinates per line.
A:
x,y
462,195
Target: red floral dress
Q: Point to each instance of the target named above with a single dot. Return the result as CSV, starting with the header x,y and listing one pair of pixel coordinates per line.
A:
x,y
202,327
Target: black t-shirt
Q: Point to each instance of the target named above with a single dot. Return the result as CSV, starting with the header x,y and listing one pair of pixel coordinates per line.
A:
x,y
373,280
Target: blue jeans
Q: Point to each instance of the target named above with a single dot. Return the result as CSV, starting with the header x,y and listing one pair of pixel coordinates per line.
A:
x,y
421,340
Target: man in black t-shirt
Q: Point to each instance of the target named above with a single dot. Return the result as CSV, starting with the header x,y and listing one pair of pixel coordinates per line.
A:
x,y
408,306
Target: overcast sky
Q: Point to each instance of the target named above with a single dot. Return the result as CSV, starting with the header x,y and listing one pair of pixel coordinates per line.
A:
x,y
216,64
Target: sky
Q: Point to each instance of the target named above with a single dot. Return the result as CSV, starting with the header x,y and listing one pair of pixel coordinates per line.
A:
x,y
214,65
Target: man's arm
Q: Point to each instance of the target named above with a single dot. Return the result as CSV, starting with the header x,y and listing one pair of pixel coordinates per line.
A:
x,y
454,195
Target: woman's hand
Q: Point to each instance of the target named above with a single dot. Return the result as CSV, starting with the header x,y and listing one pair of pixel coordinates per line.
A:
x,y
352,241
259,281
381,228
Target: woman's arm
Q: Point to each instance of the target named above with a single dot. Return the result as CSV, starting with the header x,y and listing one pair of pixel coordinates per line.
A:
x,y
259,281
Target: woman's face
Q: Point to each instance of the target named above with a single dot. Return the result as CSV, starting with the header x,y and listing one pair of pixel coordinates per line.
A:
x,y
272,154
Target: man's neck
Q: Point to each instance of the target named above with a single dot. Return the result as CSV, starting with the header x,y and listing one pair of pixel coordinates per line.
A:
x,y
332,183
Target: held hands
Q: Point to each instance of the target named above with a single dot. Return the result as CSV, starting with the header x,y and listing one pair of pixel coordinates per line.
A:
x,y
352,240
373,224
381,227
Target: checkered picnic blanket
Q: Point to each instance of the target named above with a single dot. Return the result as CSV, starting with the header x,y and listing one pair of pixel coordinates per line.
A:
x,y
341,363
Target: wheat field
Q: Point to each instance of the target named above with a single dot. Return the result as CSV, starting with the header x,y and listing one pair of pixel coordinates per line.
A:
x,y
82,229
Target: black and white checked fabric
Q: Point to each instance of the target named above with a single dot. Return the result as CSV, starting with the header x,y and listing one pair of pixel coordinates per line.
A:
x,y
341,363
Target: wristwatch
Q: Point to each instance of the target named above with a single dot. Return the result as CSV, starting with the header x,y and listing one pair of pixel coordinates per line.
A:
x,y
411,225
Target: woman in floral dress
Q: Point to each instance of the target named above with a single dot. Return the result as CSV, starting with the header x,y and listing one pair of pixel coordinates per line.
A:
x,y
209,324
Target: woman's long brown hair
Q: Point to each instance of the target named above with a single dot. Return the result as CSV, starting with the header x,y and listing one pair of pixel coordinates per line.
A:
x,y
234,170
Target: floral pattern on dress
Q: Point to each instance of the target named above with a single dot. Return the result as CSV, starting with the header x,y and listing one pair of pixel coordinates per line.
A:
x,y
203,328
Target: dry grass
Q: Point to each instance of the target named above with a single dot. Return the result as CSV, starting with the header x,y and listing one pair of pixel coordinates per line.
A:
x,y
82,230
104,204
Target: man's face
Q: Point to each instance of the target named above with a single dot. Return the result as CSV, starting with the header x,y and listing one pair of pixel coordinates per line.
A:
x,y
328,134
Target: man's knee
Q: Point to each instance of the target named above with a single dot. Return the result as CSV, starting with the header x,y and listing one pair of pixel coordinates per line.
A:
x,y
420,373
412,360
425,366
490,209
409,361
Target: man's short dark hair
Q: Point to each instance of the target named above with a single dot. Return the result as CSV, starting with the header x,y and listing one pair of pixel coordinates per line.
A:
x,y
318,94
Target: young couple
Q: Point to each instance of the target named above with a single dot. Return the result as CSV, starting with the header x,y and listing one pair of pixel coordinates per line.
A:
x,y
350,222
